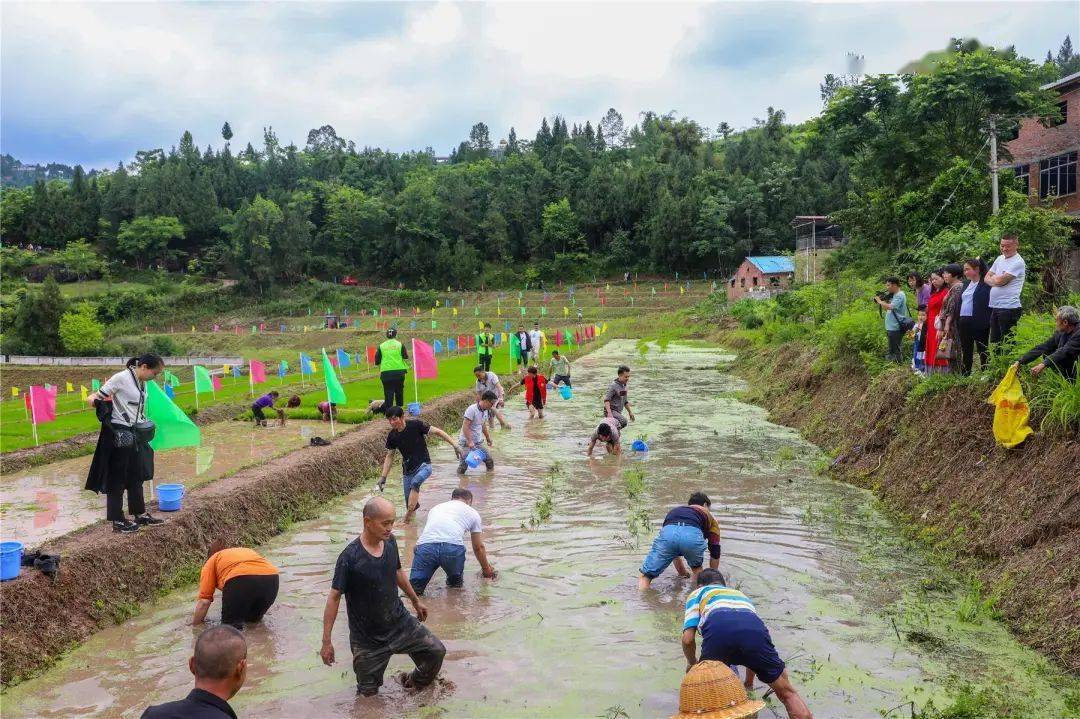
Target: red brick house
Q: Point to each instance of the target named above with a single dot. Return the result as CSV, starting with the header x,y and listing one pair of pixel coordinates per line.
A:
x,y
1045,158
760,277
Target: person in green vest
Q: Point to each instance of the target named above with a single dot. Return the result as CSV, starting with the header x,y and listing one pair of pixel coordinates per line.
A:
x,y
391,356
485,347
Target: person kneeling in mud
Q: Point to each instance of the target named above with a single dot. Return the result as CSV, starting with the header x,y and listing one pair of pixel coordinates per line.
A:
x,y
474,430
248,584
410,438
732,633
441,543
327,410
688,530
369,574
267,402
608,433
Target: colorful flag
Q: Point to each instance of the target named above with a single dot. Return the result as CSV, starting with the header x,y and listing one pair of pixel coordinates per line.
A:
x,y
283,367
173,427
83,392
437,347
558,338
169,391
334,391
451,344
235,371
305,364
370,354
70,387
343,358
14,391
204,457
43,404
424,364
170,378
215,382
258,371
203,383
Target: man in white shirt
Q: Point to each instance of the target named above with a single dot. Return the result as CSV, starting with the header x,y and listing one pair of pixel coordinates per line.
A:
x,y
488,381
474,431
441,544
536,339
1006,280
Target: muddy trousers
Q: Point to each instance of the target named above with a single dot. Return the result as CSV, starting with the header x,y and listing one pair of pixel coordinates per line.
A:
x,y
393,386
412,638
247,597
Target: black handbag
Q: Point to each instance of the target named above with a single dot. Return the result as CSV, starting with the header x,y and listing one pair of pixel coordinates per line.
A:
x,y
139,432
904,323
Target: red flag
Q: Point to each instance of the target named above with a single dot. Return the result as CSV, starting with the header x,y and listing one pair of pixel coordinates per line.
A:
x,y
371,354
26,400
43,404
258,371
215,382
577,337
424,365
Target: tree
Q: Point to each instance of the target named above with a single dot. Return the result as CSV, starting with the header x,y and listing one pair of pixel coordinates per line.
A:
x,y
79,258
512,147
148,238
1067,61
226,132
250,234
37,319
611,129
80,331
724,130
480,139
560,231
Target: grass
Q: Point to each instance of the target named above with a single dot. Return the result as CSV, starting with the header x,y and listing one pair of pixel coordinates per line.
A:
x,y
973,607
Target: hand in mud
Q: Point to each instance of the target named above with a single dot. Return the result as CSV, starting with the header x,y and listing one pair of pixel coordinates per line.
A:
x,y
327,653
490,573
421,610
490,443
381,485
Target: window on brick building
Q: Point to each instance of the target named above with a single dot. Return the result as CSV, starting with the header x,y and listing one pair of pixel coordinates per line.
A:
x,y
742,282
1057,175
1023,177
755,282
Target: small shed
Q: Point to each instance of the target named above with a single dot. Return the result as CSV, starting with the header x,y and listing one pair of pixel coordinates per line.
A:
x,y
760,277
331,321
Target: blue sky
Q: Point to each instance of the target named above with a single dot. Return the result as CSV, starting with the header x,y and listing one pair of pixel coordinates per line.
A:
x,y
92,83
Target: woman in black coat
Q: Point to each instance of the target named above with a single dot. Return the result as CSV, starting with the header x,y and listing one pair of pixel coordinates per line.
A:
x,y
974,316
120,403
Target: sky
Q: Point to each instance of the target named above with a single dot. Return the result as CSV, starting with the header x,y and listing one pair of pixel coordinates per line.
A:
x,y
91,83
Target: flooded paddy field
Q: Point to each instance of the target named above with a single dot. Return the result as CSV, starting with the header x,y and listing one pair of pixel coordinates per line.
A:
x,y
868,625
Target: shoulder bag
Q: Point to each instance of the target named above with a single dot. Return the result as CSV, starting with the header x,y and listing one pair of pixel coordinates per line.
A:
x,y
139,432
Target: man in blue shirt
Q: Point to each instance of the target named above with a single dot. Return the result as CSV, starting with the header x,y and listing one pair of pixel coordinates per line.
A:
x,y
896,313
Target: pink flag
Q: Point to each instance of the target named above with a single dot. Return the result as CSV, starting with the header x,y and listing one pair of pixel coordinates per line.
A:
x,y
370,354
215,381
262,327
333,361
217,328
43,404
558,338
258,372
424,364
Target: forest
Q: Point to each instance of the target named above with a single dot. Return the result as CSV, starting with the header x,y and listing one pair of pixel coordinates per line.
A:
x,y
900,161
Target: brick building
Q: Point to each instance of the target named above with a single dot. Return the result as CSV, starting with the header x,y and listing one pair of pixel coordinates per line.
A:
x,y
1045,157
760,277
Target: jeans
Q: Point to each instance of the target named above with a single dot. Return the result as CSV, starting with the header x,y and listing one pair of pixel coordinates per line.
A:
x,y
896,339
246,598
1002,322
412,638
434,555
973,337
393,384
675,540
413,481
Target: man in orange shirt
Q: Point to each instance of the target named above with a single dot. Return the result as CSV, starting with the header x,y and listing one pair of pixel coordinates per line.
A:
x,y
248,584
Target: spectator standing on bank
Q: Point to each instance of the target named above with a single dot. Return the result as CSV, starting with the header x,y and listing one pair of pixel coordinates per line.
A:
x,y
949,344
974,326
1006,280
896,313
935,364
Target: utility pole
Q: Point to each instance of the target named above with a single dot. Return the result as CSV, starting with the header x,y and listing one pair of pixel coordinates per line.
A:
x,y
993,165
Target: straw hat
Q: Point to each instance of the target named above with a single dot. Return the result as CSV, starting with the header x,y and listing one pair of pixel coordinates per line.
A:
x,y
710,690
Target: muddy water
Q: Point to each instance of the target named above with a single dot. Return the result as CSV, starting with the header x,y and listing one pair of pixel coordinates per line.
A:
x,y
42,503
564,632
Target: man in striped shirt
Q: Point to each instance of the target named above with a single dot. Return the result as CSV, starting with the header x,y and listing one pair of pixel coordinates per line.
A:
x,y
732,632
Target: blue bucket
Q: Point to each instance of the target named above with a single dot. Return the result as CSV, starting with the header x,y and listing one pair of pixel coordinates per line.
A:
x,y
475,457
550,386
169,496
639,445
414,409
10,560
565,392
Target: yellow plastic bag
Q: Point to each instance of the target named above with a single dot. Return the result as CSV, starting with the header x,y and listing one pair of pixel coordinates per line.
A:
x,y
1011,411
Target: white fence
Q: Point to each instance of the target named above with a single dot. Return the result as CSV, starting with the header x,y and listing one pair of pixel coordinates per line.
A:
x,y
111,361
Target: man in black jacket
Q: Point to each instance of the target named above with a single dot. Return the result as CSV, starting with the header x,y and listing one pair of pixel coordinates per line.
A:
x,y
1063,347
220,667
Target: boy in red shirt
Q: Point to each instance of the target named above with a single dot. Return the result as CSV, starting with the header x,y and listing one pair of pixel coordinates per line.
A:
x,y
535,392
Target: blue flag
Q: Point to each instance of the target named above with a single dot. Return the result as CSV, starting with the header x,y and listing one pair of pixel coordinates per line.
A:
x,y
283,367
451,345
343,358
235,371
305,364
412,325
438,346
169,391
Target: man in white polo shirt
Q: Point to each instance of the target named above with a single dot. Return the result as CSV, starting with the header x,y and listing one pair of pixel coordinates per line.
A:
x,y
1006,280
441,544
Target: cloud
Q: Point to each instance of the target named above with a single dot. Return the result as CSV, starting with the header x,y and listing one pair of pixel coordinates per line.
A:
x,y
94,82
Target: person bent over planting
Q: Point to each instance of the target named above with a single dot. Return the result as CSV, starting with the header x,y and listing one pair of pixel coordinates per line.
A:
x,y
441,543
732,633
369,574
474,430
688,529
608,433
266,402
248,584
410,438
327,409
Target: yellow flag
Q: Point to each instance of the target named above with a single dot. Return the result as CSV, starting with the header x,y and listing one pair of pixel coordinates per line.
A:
x,y
565,312
682,290
1010,411
500,311
305,328
480,324
432,311
455,312
82,392
14,391
193,329
436,303
70,387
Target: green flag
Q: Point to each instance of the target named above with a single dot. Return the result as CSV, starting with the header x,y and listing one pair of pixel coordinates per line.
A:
x,y
515,348
174,428
170,378
95,384
334,391
203,383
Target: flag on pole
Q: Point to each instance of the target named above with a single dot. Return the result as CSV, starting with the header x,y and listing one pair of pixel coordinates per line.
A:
x,y
370,354
204,457
305,364
43,404
424,363
258,371
437,346
235,371
170,378
215,382
169,391
14,391
203,383
343,358
70,387
283,367
334,391
83,392
173,427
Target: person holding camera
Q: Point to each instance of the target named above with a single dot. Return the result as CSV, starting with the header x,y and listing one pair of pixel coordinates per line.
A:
x,y
123,458
893,302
